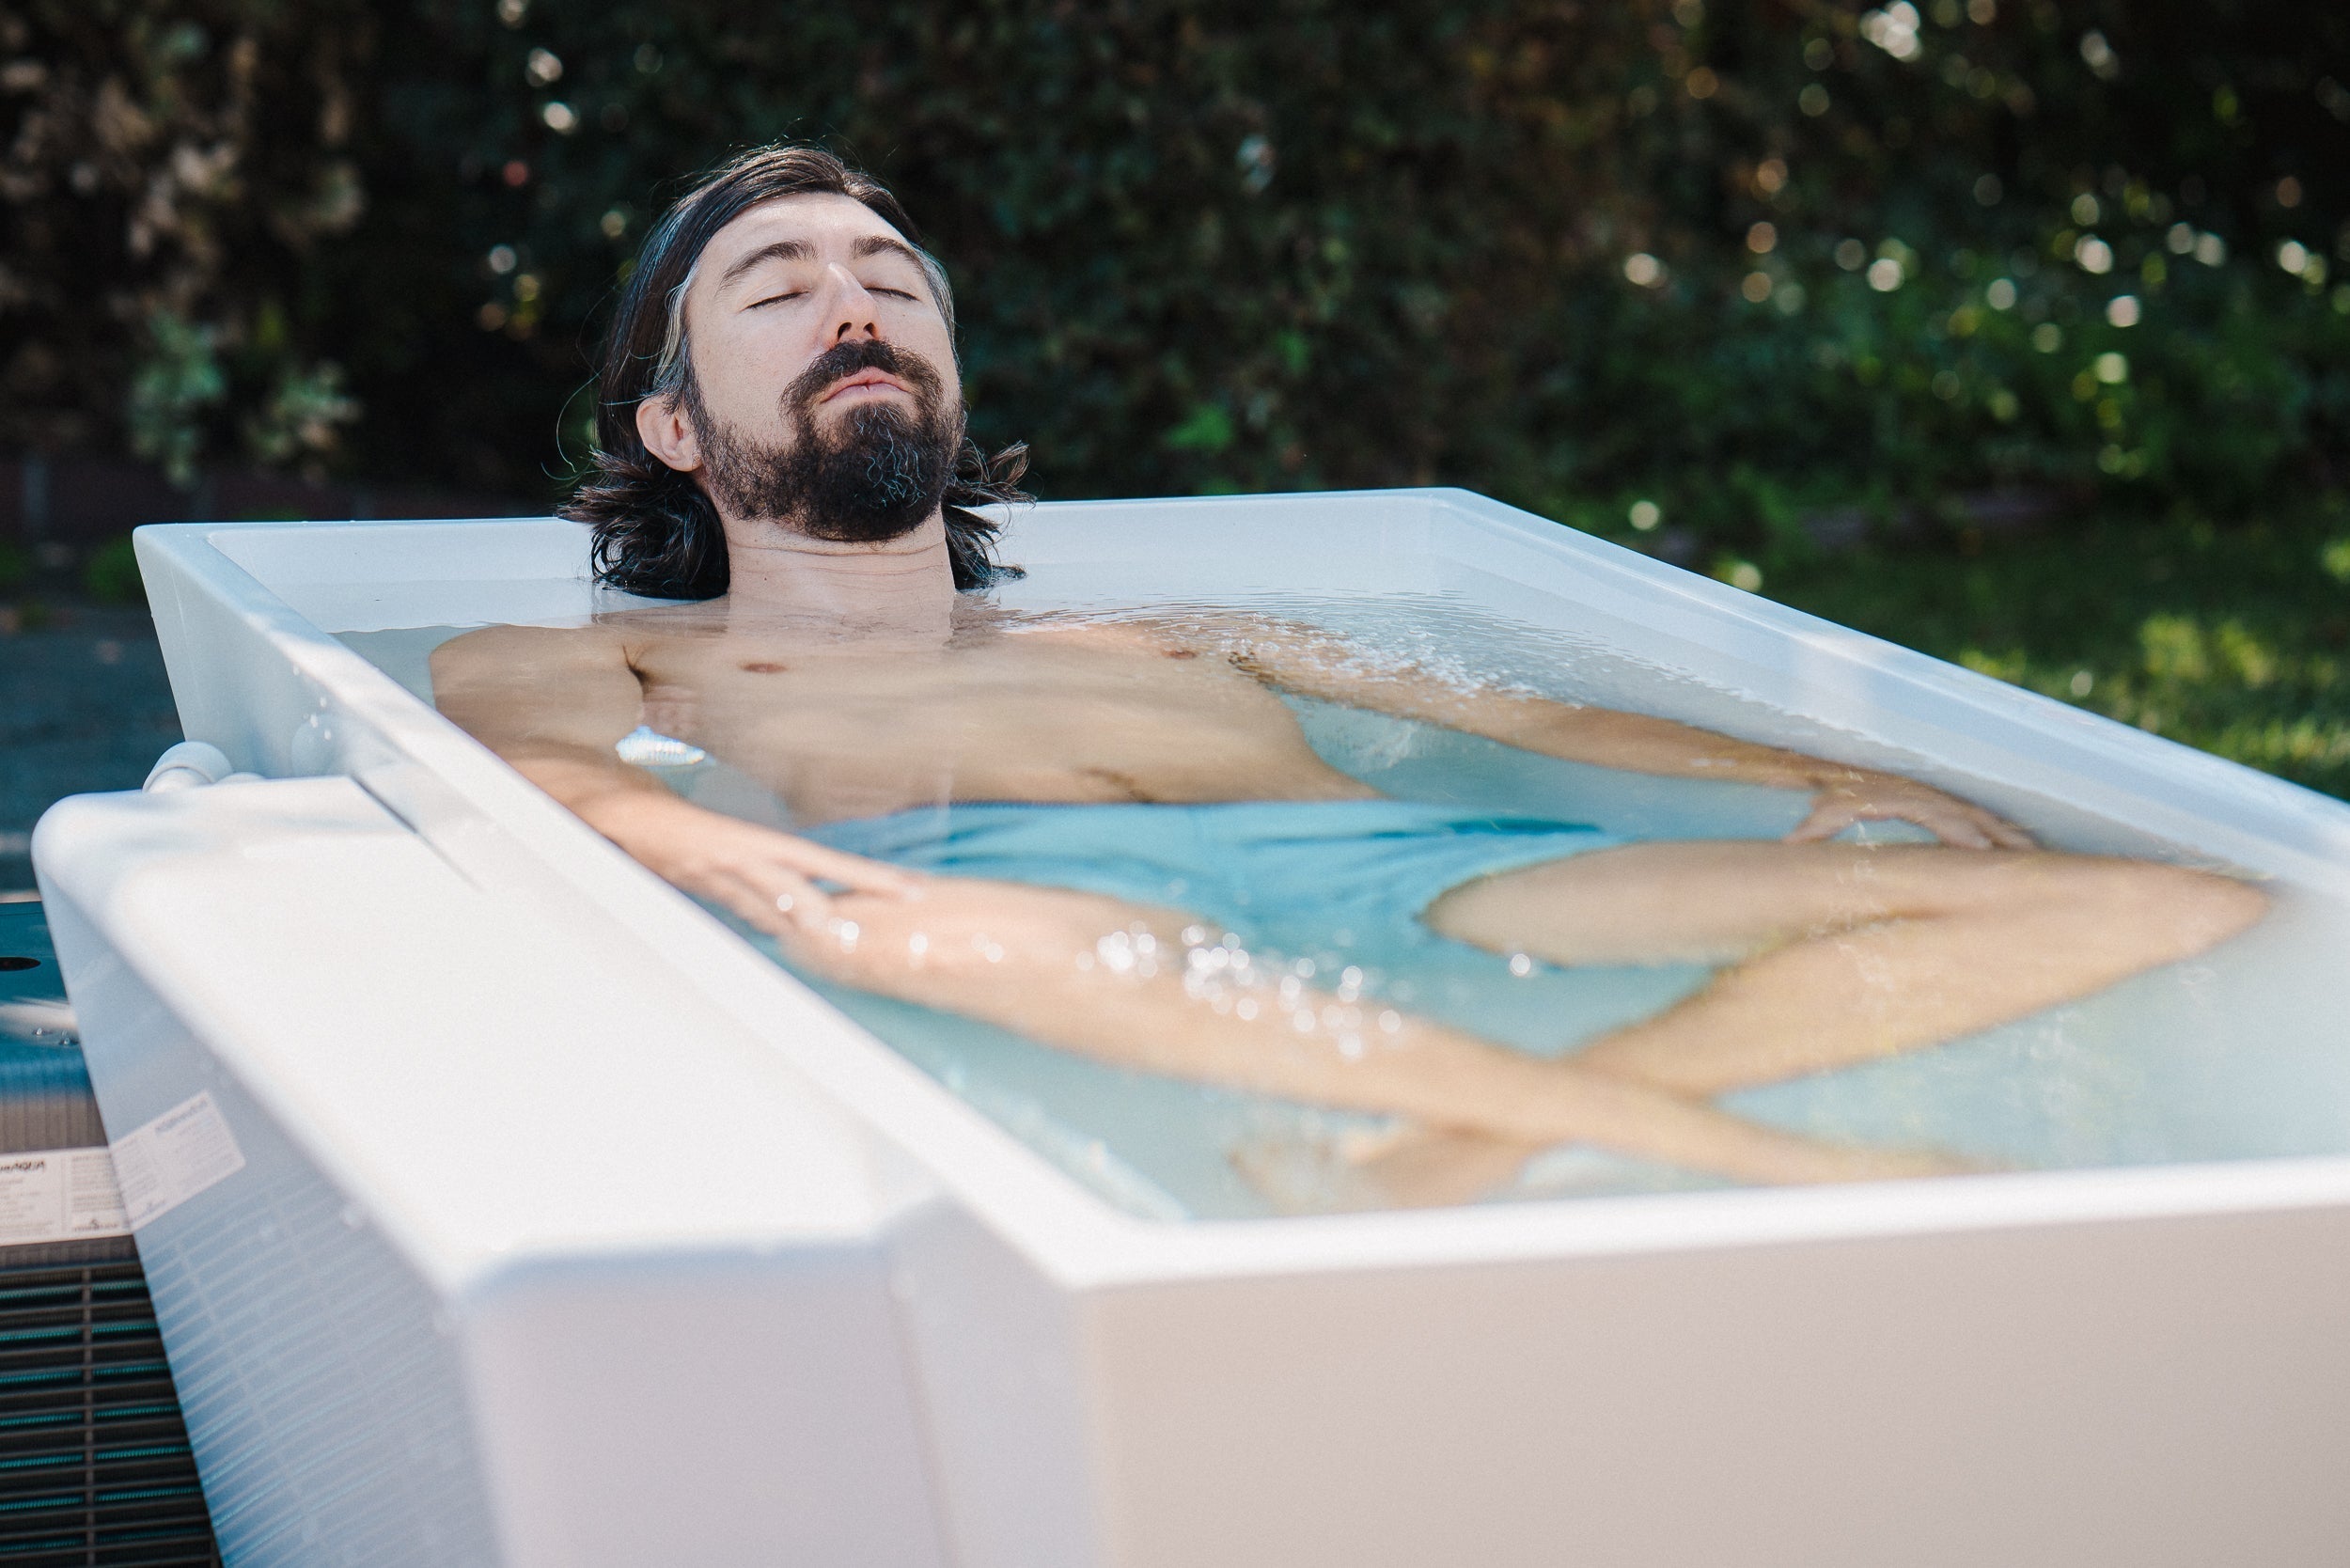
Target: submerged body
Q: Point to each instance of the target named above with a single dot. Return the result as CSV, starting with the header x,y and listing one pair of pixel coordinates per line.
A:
x,y
1166,745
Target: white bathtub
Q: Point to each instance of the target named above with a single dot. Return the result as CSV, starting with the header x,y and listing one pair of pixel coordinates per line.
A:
x,y
570,1230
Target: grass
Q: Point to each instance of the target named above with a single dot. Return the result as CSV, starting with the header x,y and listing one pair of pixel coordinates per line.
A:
x,y
2234,638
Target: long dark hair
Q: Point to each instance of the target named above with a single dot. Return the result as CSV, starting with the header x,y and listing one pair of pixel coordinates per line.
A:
x,y
655,532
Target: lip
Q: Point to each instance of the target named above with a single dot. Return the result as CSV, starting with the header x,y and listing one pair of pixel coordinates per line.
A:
x,y
878,379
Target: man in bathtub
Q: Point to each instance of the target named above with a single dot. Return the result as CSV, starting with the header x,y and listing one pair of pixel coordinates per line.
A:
x,y
1079,830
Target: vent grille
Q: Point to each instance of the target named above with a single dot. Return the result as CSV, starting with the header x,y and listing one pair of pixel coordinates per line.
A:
x,y
95,1470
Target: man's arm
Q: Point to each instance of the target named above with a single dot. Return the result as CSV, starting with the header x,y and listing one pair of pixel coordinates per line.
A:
x,y
1313,663
554,703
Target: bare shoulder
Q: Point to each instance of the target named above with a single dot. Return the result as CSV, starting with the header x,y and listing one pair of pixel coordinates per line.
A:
x,y
509,651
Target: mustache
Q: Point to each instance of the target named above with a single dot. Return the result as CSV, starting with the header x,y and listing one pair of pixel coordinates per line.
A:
x,y
847,359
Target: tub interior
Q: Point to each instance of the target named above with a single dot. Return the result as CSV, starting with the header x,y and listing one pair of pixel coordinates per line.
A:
x,y
2237,1056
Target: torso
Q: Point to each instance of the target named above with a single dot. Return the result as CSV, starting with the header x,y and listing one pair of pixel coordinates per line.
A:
x,y
1004,710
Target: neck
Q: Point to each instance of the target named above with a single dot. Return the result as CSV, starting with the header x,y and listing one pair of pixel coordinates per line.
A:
x,y
897,585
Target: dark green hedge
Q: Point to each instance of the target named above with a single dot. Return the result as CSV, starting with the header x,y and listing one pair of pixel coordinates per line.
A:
x,y
1208,246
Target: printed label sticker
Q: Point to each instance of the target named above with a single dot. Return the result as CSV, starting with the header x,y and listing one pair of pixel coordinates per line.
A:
x,y
171,1159
54,1195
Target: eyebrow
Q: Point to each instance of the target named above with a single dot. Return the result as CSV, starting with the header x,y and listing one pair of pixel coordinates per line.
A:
x,y
782,250
879,244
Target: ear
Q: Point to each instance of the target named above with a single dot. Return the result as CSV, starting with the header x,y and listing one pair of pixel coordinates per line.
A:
x,y
668,434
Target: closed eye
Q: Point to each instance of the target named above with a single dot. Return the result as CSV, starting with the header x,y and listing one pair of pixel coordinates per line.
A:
x,y
893,293
776,299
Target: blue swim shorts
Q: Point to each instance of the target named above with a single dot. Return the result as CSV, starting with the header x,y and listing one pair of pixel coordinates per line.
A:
x,y
1297,876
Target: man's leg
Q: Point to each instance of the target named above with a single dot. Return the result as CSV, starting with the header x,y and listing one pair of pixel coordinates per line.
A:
x,y
1116,981
1840,953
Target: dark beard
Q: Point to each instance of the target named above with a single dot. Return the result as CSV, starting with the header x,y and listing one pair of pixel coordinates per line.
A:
x,y
879,473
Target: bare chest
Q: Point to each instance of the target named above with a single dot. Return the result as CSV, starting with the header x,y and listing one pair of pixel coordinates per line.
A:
x,y
1006,693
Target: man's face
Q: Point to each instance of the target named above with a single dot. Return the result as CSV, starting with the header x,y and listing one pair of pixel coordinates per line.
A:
x,y
825,388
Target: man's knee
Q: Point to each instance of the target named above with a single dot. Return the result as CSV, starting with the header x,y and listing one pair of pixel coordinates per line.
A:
x,y
2175,910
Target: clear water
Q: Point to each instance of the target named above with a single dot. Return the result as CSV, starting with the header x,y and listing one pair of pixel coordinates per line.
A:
x,y
2241,1055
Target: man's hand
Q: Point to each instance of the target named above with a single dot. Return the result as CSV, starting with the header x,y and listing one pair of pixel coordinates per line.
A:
x,y
1883,796
766,877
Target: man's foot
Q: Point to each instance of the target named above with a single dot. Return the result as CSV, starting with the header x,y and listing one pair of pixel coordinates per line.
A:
x,y
1404,1167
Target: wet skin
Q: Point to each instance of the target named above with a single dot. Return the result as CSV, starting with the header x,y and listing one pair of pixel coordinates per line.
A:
x,y
853,679
1835,954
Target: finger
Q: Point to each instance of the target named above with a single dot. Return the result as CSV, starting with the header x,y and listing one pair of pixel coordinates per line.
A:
x,y
2008,835
850,871
1825,821
1959,833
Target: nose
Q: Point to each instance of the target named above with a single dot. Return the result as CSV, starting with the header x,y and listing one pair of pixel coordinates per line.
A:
x,y
853,316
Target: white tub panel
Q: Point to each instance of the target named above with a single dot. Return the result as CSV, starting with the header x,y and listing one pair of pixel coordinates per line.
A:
x,y
323,1396
751,1408
2157,1394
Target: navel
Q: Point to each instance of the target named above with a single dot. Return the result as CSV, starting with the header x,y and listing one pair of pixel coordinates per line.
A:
x,y
1117,780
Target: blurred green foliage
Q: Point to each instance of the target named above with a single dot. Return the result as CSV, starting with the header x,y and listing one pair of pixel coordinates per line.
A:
x,y
2234,640
111,576
173,174
1751,264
